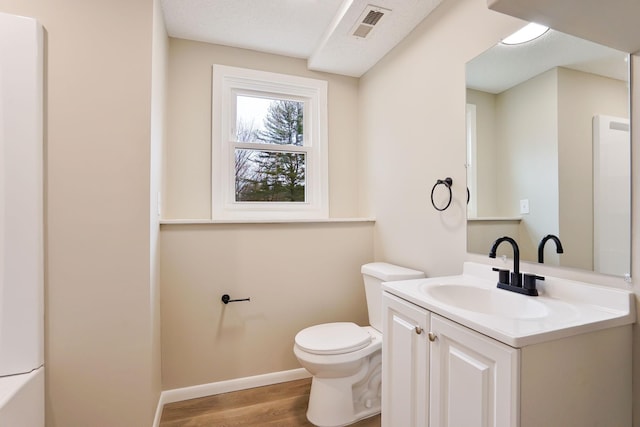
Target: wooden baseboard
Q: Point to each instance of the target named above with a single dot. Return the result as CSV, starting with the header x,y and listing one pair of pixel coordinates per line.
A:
x,y
202,390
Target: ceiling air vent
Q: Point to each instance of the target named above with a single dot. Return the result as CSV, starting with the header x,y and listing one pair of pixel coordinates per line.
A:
x,y
369,18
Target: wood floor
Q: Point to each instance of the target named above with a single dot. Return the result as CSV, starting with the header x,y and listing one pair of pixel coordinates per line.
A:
x,y
281,405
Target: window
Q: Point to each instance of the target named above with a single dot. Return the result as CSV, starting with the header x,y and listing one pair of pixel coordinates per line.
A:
x,y
269,145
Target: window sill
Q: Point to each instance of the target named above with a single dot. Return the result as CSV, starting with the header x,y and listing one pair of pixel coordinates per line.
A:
x,y
495,218
263,221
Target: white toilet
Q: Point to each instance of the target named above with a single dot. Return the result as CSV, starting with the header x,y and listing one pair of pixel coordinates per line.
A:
x,y
345,359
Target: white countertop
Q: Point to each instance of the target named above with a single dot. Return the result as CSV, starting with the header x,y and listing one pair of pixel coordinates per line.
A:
x,y
564,307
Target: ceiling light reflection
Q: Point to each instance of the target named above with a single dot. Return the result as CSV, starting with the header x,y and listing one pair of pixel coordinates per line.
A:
x,y
527,33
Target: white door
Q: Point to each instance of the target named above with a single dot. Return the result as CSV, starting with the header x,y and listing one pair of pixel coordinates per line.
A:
x,y
611,195
405,362
473,378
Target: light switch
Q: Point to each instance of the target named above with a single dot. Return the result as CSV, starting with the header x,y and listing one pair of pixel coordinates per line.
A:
x,y
524,206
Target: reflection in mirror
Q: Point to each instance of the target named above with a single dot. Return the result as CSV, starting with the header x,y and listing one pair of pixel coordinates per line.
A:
x,y
548,151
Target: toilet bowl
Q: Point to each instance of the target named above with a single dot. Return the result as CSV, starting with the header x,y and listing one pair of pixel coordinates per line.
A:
x,y
345,359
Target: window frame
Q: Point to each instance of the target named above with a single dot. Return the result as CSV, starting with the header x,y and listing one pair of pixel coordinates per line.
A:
x,y
230,82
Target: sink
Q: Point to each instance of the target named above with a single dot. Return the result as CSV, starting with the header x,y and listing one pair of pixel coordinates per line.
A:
x,y
488,301
564,307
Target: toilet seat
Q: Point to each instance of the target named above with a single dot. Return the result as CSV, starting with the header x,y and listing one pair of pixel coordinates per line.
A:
x,y
333,338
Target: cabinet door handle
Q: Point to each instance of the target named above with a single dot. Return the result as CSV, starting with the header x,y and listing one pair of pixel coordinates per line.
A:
x,y
432,336
418,330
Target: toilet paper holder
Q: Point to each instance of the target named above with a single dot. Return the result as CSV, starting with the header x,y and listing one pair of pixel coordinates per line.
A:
x,y
227,299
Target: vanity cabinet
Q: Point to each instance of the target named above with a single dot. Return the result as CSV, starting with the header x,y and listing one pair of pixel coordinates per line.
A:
x,y
473,379
439,373
405,364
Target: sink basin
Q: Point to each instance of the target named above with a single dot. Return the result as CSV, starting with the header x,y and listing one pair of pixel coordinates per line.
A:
x,y
564,308
488,301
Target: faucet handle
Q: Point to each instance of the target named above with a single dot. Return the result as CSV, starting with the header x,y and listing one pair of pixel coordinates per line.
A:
x,y
503,275
530,283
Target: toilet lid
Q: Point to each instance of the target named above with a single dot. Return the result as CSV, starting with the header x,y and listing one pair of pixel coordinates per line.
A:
x,y
333,338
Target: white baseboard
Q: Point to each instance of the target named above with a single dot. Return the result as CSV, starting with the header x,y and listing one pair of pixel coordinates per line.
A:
x,y
203,390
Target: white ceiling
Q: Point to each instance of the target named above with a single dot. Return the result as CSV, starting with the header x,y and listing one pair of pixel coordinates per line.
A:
x,y
320,31
504,66
317,30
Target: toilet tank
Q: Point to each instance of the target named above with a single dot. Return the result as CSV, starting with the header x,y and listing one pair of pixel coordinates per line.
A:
x,y
374,274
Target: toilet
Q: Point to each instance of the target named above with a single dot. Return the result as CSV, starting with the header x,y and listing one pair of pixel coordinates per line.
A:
x,y
345,359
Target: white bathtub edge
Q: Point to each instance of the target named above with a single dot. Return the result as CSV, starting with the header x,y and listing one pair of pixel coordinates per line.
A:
x,y
22,399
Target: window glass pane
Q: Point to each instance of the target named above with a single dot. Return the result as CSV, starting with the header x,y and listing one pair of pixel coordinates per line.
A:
x,y
269,121
267,176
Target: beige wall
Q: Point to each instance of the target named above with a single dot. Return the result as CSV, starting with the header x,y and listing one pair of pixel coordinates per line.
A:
x,y
296,275
528,157
187,193
580,97
482,233
99,360
412,126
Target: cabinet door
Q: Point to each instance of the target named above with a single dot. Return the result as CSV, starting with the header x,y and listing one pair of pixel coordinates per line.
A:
x,y
405,362
474,378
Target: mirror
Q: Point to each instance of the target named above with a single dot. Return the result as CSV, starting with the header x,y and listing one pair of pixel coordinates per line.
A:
x,y
548,152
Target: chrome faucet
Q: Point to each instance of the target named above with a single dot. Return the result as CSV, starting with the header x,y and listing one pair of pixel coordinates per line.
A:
x,y
544,240
514,282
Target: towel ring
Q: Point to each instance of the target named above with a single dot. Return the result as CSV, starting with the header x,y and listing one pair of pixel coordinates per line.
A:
x,y
447,182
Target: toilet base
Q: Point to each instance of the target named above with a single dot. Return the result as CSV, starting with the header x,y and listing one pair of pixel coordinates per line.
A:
x,y
336,402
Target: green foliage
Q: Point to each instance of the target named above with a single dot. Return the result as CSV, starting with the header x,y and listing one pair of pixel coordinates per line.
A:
x,y
283,124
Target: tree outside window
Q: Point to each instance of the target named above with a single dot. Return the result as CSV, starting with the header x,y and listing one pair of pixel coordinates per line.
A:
x,y
272,176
